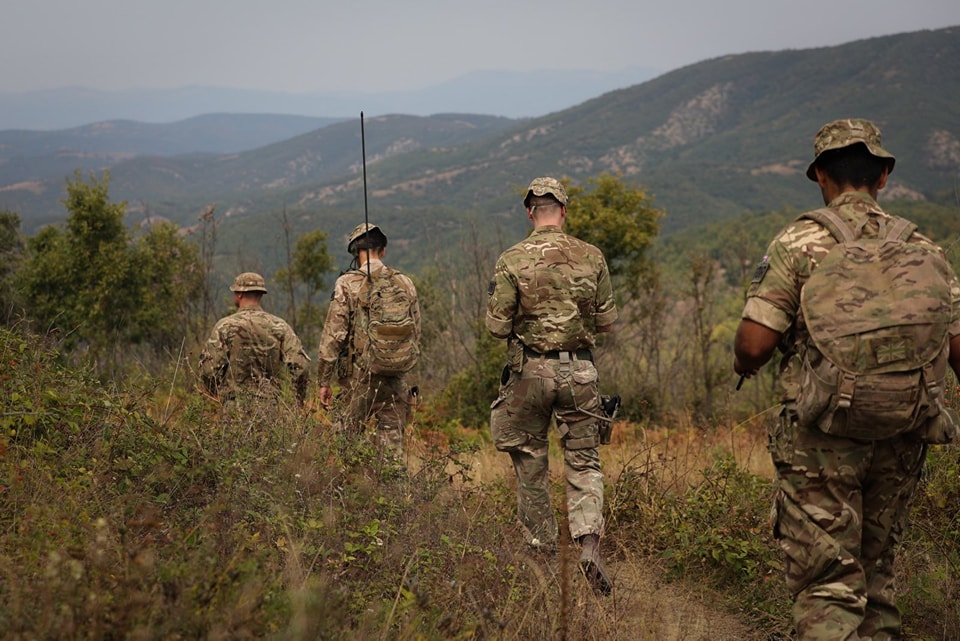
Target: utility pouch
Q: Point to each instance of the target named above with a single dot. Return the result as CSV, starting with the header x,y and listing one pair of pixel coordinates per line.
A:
x,y
942,429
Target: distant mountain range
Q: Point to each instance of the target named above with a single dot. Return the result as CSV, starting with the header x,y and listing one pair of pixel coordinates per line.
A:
x,y
709,142
510,94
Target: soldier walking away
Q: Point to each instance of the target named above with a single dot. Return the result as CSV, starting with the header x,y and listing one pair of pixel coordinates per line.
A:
x,y
550,296
867,314
370,341
245,357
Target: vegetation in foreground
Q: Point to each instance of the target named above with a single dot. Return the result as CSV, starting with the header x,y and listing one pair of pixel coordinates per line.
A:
x,y
130,509
136,512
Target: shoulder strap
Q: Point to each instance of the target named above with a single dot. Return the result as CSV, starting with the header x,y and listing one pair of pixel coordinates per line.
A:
x,y
902,229
839,228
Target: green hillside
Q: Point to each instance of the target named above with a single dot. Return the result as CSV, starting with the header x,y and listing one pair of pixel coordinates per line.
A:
x,y
709,141
723,136
177,187
37,155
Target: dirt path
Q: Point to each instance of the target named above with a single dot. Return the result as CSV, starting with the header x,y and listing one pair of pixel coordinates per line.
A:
x,y
644,606
668,612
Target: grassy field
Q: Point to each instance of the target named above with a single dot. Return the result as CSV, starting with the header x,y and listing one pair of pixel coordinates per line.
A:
x,y
140,512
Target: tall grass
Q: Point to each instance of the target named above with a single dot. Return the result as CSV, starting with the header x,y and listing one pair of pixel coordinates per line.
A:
x,y
143,513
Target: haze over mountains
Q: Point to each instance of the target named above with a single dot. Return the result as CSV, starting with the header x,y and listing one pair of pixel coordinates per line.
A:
x,y
709,141
500,93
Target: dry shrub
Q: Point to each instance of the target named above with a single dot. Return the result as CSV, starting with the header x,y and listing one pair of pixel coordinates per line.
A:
x,y
125,514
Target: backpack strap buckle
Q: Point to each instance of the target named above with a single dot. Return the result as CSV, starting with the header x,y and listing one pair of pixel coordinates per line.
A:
x,y
564,364
847,384
933,385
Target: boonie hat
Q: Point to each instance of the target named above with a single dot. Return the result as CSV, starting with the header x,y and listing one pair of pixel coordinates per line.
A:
x,y
543,186
362,230
248,282
843,133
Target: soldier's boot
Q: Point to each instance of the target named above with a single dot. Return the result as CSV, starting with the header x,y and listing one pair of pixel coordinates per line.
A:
x,y
591,565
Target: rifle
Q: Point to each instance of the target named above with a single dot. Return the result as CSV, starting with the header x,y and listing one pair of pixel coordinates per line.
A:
x,y
610,405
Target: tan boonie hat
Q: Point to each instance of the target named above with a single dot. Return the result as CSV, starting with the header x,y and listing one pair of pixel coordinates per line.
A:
x,y
362,230
543,186
248,282
843,133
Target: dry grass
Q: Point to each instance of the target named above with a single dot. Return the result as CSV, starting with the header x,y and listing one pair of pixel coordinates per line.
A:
x,y
138,513
647,604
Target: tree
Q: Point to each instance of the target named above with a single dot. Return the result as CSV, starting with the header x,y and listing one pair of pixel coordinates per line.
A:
x,y
11,253
207,224
78,278
170,283
307,266
465,359
620,220
100,287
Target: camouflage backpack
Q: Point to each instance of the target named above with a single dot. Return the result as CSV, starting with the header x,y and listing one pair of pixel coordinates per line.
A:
x,y
877,311
386,336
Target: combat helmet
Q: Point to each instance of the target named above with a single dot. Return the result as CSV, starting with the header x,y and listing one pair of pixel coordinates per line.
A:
x,y
248,282
543,186
365,236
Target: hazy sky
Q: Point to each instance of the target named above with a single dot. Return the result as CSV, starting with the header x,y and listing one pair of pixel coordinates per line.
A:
x,y
385,45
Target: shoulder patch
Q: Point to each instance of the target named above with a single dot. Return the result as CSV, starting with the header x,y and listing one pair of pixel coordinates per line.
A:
x,y
761,270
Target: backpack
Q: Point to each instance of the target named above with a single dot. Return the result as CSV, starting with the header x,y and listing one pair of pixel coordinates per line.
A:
x,y
877,312
386,336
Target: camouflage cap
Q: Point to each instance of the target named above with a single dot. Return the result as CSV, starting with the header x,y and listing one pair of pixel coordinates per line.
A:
x,y
843,133
362,230
543,186
248,282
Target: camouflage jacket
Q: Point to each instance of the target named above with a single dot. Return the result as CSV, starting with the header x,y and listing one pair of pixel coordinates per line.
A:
x,y
338,349
248,351
773,299
551,290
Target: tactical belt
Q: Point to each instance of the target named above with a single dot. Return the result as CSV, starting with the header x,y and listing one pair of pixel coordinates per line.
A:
x,y
580,354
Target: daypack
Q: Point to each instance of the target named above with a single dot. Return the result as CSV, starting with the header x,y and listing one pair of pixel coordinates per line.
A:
x,y
386,337
877,311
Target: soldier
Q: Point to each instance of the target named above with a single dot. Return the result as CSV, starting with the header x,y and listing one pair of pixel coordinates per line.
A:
x,y
549,297
248,350
844,485
370,340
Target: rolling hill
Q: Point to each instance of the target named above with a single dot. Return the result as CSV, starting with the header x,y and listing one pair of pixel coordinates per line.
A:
x,y
174,186
709,141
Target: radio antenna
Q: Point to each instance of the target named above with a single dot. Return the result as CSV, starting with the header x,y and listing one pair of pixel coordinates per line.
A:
x,y
366,216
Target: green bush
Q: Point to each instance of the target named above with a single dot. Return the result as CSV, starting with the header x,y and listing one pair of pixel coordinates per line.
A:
x,y
714,529
928,565
114,524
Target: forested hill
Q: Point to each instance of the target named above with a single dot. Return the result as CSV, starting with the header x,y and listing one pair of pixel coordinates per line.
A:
x,y
709,141
714,139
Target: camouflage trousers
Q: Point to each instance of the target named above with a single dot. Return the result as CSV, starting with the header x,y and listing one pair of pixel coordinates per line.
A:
x,y
840,513
382,402
519,421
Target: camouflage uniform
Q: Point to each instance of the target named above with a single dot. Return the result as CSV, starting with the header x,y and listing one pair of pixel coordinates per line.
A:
x,y
246,353
385,398
842,504
548,295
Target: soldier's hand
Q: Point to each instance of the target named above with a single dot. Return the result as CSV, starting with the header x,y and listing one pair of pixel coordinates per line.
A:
x,y
326,397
